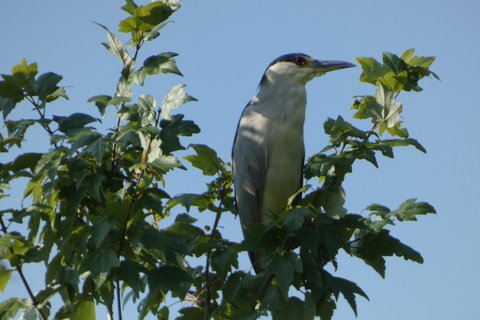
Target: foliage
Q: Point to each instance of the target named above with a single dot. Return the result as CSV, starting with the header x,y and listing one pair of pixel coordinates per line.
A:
x,y
96,201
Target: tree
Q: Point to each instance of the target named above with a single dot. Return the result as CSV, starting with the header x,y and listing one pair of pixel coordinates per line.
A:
x,y
96,201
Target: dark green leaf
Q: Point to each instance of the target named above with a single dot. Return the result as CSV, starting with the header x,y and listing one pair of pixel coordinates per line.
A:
x,y
292,309
374,246
99,263
154,65
130,272
395,63
46,86
348,289
205,160
283,266
73,122
172,130
191,313
172,279
294,220
6,105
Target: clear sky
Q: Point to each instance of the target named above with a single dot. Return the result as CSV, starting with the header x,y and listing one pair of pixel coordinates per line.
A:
x,y
224,48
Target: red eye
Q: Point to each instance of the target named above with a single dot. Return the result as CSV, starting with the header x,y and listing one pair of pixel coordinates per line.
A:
x,y
299,61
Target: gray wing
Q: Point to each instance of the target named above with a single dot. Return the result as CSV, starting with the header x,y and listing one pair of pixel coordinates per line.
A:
x,y
249,163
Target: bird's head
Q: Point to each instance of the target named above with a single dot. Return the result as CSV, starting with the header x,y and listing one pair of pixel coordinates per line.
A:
x,y
300,68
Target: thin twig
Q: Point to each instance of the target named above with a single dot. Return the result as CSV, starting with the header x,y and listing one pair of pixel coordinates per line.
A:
x,y
209,252
119,303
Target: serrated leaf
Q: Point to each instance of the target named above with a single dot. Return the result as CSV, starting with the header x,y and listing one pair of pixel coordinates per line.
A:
x,y
126,81
371,70
171,279
153,13
115,46
396,64
84,310
375,245
130,272
205,160
129,7
4,277
283,266
408,210
46,85
174,98
101,228
348,289
103,101
6,106
99,263
152,199
294,220
188,200
154,65
10,307
292,309
172,129
73,122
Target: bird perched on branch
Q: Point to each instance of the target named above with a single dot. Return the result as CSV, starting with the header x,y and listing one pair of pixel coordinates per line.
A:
x,y
268,152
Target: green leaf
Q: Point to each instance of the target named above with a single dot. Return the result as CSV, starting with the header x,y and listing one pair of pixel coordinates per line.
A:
x,y
292,309
174,98
6,105
153,13
84,310
348,289
205,160
152,199
126,81
24,161
115,46
4,277
129,7
188,200
73,122
294,220
130,272
154,65
395,63
103,101
371,70
374,246
283,266
171,279
191,313
101,229
172,129
402,143
407,211
10,307
46,87
99,263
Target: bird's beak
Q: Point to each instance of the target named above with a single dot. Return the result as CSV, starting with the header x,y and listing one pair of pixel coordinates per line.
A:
x,y
323,66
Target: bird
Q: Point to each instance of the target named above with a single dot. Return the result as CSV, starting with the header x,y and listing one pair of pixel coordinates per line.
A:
x,y
268,152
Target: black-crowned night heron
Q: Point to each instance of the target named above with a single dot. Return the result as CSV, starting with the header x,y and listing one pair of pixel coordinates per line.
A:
x,y
268,153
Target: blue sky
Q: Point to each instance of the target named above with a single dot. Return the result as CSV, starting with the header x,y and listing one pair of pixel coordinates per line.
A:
x,y
224,48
